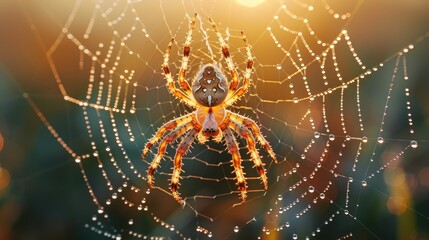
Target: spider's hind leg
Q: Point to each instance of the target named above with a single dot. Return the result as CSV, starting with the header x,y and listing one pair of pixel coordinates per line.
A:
x,y
248,136
172,136
181,150
249,123
163,129
236,162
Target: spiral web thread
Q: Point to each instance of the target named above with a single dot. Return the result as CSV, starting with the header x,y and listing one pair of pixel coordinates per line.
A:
x,y
307,94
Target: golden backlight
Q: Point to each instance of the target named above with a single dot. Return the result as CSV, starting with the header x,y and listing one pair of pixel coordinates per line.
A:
x,y
250,3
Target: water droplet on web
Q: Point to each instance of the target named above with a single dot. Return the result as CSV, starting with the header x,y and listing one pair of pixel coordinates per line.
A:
x,y
280,197
380,140
279,66
316,134
294,236
414,144
364,139
302,156
348,138
364,183
331,137
322,196
311,189
346,212
131,221
236,229
295,100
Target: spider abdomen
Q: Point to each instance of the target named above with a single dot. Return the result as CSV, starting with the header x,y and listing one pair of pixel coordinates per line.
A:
x,y
209,86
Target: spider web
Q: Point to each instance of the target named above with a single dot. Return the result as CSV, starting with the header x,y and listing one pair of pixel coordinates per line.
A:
x,y
342,118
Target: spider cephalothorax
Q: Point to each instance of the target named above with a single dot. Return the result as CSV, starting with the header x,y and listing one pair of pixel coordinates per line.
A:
x,y
210,94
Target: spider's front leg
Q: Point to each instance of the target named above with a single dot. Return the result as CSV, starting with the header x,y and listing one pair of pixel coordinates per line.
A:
x,y
185,58
181,150
247,74
225,50
232,146
179,94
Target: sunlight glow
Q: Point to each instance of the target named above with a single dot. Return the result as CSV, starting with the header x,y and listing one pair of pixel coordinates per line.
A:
x,y
250,3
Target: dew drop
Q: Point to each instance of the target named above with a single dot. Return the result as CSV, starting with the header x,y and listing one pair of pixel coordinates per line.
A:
x,y
131,221
316,134
364,139
302,156
236,229
348,138
279,66
294,236
77,160
295,100
414,144
346,212
380,140
364,183
280,197
331,137
322,196
311,189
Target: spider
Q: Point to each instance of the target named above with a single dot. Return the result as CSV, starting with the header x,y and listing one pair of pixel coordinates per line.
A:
x,y
210,94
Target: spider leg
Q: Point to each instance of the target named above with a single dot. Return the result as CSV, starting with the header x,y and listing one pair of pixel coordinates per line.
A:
x,y
249,66
188,99
249,123
172,136
181,150
164,128
225,50
236,160
185,58
246,134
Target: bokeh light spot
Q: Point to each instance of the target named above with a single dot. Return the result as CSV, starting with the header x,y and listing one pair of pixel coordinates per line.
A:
x,y
4,178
